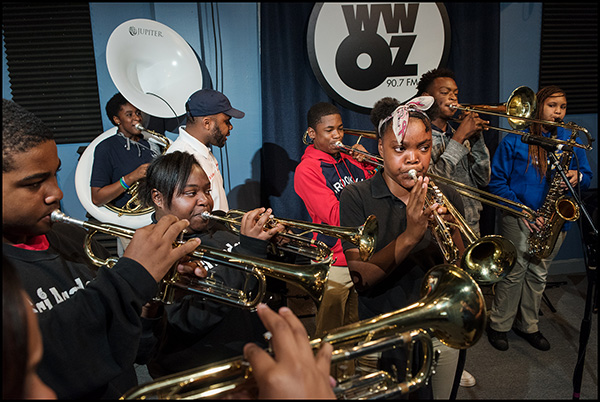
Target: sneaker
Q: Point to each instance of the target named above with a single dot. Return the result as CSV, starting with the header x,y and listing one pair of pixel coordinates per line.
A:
x,y
536,339
498,339
467,380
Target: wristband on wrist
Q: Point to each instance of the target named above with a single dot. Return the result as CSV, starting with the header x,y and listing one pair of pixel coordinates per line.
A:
x,y
123,184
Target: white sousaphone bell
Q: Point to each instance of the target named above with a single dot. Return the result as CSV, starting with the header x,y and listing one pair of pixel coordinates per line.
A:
x,y
156,70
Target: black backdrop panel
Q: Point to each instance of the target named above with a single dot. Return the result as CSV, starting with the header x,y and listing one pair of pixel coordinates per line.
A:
x,y
289,88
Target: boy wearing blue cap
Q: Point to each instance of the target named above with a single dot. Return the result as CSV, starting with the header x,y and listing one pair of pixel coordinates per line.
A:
x,y
209,114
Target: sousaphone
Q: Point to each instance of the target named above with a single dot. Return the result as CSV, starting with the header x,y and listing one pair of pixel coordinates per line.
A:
x,y
156,70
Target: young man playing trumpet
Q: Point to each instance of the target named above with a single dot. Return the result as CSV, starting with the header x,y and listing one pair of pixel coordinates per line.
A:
x,y
405,249
199,331
89,317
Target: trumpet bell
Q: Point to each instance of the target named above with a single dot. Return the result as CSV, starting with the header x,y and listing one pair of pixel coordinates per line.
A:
x,y
153,67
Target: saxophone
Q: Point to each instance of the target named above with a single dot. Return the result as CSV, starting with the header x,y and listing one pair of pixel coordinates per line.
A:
x,y
556,210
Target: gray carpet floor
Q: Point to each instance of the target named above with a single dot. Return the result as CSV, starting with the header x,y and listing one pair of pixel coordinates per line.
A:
x,y
521,372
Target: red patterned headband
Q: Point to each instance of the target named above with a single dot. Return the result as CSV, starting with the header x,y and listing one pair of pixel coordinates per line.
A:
x,y
400,115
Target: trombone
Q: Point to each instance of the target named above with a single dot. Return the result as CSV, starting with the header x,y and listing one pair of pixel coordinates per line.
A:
x,y
485,197
451,308
364,236
311,278
520,107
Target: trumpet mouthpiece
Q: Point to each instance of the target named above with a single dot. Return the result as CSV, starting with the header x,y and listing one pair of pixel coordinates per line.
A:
x,y
57,216
413,174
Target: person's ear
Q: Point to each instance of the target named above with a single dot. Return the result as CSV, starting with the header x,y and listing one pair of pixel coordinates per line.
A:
x,y
207,122
157,198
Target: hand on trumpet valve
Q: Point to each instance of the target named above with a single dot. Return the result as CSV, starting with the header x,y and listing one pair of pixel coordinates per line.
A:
x,y
293,371
417,215
188,266
443,212
257,223
152,246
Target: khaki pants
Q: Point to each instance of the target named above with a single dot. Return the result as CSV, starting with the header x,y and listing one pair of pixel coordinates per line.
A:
x,y
518,296
445,370
339,307
340,302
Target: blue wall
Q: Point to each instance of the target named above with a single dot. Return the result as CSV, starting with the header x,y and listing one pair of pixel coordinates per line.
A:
x,y
229,47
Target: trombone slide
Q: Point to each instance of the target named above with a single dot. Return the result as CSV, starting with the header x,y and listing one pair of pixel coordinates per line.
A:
x,y
465,190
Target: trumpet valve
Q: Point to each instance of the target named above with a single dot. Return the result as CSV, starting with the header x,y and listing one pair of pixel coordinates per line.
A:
x,y
438,196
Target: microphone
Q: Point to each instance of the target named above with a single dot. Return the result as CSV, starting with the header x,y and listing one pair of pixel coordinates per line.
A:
x,y
546,143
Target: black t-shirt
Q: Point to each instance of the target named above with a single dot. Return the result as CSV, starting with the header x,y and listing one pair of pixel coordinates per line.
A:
x,y
402,286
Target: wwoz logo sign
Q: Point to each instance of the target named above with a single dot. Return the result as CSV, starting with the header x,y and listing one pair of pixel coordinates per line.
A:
x,y
362,52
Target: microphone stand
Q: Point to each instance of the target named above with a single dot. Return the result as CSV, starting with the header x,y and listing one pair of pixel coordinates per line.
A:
x,y
586,322
584,332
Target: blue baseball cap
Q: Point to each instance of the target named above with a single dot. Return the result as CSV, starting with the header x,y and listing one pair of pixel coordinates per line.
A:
x,y
208,102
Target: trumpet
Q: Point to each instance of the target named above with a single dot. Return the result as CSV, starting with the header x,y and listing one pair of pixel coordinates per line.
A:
x,y
487,259
311,278
364,236
451,308
519,109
